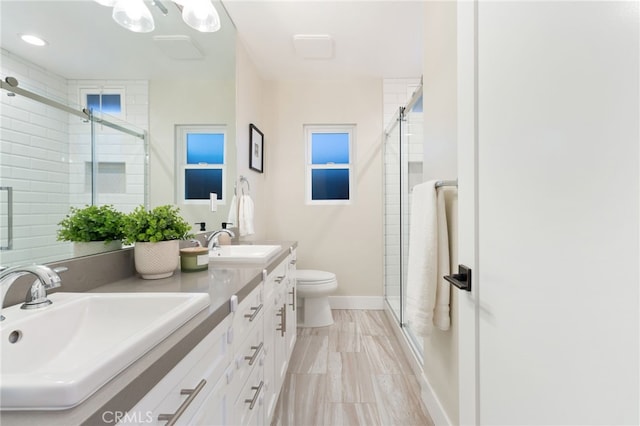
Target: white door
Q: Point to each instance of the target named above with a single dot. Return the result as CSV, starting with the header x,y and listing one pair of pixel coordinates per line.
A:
x,y
549,165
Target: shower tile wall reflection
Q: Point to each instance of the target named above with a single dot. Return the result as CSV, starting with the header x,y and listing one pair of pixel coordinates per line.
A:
x,y
45,153
34,154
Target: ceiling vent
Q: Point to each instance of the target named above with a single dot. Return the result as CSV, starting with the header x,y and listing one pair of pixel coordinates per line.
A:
x,y
309,46
178,47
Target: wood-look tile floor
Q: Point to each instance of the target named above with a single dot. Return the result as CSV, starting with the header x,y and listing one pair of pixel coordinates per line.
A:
x,y
350,373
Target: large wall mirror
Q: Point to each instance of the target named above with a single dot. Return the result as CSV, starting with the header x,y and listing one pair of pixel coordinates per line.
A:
x,y
147,84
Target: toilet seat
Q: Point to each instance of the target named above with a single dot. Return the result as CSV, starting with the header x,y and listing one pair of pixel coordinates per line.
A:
x,y
312,283
314,277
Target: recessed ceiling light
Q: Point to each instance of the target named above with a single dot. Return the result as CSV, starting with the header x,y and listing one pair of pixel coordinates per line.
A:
x,y
34,40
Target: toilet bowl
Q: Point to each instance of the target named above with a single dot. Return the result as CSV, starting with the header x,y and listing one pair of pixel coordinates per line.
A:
x,y
313,288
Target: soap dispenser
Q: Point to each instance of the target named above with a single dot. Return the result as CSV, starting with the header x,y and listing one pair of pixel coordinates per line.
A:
x,y
224,239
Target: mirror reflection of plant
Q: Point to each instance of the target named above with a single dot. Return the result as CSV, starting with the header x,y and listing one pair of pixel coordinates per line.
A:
x,y
92,223
163,223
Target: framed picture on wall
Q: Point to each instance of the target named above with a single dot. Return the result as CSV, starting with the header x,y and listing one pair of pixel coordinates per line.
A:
x,y
256,149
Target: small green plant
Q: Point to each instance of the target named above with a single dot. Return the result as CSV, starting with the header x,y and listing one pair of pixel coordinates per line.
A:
x,y
162,223
91,223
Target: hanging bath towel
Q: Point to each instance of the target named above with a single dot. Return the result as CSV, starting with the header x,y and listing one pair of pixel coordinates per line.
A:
x,y
427,292
232,217
245,216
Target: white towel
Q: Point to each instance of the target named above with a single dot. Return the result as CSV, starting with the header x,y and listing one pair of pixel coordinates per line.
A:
x,y
245,216
232,217
427,292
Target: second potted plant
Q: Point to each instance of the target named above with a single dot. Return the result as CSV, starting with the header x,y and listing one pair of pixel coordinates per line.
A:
x,y
156,234
92,229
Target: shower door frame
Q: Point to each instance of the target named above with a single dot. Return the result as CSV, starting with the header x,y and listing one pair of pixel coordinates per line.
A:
x,y
400,120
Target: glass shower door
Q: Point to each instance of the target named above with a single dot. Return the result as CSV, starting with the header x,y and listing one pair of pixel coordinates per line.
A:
x,y
403,161
392,215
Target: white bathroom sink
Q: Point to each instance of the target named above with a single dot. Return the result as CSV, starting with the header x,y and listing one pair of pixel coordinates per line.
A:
x,y
243,253
54,358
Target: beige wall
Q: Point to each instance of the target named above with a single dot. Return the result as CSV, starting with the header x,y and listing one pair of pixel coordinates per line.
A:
x,y
184,101
249,96
440,162
344,239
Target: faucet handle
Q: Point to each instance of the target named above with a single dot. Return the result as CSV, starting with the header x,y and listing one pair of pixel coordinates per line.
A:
x,y
47,279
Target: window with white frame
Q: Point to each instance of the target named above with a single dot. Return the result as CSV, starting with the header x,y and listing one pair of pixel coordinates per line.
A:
x,y
200,161
329,163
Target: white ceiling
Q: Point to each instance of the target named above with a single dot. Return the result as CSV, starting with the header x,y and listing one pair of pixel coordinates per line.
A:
x,y
86,43
370,38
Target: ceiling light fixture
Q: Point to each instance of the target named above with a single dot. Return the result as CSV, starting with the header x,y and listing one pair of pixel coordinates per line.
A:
x,y
134,15
33,40
200,15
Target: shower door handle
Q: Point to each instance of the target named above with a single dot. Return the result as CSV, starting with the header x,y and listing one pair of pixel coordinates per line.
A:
x,y
9,190
462,279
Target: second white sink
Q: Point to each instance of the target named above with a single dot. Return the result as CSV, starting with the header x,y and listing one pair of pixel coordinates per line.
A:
x,y
56,357
243,253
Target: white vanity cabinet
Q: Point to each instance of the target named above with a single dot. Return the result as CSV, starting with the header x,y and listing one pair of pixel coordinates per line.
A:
x,y
195,391
247,385
279,330
292,315
235,374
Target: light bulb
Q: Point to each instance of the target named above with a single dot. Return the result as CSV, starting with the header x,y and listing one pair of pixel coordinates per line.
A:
x,y
133,15
201,15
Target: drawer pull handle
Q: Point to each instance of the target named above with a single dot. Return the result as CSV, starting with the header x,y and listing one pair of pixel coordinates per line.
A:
x,y
255,310
279,278
293,262
293,299
171,419
283,320
252,358
253,400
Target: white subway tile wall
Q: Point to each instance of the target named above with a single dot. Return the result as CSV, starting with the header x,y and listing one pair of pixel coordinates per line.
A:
x,y
44,151
112,146
396,94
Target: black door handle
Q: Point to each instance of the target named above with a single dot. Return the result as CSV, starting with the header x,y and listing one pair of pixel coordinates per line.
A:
x,y
462,279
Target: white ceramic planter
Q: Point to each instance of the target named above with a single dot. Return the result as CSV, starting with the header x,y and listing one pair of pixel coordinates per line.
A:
x,y
156,260
95,247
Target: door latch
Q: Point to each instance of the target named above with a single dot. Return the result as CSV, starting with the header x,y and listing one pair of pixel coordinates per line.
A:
x,y
462,279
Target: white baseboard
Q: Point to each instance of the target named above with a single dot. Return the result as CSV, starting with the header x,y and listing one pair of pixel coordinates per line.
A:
x,y
357,302
429,398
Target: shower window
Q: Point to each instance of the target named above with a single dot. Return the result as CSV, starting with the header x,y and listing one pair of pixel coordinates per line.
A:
x,y
329,164
201,161
105,100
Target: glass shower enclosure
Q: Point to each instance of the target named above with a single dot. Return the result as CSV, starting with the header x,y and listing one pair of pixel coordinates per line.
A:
x,y
65,155
403,160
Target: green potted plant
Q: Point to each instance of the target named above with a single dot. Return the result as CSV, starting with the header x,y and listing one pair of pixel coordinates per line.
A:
x,y
156,234
92,229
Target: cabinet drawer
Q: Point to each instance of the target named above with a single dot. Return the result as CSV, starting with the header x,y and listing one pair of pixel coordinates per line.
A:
x,y
195,374
249,405
247,357
248,314
215,409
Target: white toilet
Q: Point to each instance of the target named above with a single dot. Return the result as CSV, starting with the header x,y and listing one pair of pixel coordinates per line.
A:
x,y
313,288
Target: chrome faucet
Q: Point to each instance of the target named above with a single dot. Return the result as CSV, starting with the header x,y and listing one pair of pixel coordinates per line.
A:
x,y
212,239
46,279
